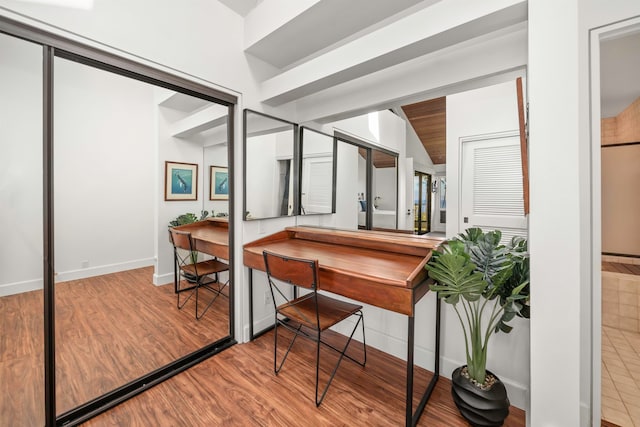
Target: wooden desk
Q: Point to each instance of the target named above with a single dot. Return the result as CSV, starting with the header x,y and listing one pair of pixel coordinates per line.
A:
x,y
378,268
210,236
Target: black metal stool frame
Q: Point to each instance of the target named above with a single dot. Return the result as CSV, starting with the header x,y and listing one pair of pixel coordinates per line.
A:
x,y
201,280
313,334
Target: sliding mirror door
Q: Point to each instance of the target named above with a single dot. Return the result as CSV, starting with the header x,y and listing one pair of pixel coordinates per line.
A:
x,y
21,263
116,312
269,166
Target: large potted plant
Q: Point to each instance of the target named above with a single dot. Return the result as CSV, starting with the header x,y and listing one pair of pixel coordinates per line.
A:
x,y
487,283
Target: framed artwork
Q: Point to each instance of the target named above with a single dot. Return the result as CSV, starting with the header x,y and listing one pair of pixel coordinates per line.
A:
x,y
180,181
219,183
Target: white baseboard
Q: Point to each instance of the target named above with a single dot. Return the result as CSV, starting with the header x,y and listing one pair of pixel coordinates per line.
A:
x,y
20,287
103,269
261,324
163,279
32,285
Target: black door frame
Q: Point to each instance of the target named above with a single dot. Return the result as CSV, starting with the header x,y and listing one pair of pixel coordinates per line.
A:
x,y
418,210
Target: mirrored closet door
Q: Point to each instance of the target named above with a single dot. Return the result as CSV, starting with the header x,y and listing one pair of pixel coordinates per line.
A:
x,y
112,137
88,302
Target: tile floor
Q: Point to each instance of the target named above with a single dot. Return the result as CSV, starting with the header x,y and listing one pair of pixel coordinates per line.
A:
x,y
621,301
621,377
621,341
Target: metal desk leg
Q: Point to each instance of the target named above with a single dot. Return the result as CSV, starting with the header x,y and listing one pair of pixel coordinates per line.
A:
x,y
251,304
412,420
410,349
175,274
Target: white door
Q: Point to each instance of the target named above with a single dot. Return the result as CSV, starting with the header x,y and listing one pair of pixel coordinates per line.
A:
x,y
439,204
492,196
317,185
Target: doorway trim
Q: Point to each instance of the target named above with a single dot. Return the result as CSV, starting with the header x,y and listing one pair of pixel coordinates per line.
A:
x,y
596,35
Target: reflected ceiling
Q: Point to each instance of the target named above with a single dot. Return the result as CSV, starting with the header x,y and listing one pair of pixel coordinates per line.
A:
x,y
429,121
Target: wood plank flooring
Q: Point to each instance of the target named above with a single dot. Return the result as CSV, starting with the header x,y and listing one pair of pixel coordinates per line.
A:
x,y
110,330
238,388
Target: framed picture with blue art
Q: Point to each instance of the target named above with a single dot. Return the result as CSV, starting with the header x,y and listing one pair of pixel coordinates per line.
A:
x,y
219,183
180,181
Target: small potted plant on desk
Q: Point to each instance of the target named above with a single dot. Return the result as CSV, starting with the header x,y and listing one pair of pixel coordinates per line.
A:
x,y
488,285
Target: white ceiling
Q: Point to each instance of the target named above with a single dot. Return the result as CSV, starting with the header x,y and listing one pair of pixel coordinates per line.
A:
x,y
620,73
330,23
323,25
241,7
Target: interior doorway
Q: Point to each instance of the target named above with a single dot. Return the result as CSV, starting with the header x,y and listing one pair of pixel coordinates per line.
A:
x,y
421,202
615,112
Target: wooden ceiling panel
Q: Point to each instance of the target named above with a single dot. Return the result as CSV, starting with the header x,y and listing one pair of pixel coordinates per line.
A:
x,y
429,121
380,159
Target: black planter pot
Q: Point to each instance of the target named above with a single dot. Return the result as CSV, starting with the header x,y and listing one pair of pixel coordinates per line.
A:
x,y
189,277
480,407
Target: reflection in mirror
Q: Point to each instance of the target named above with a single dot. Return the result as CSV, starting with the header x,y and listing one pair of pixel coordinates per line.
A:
x,y
21,271
363,203
215,198
269,166
317,188
348,192
112,137
384,185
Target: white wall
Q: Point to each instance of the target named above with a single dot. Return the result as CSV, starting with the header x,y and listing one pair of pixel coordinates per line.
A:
x,y
214,155
169,148
561,209
555,213
104,164
21,166
481,111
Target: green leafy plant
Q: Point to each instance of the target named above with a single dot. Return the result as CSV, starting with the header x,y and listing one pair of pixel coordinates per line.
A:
x,y
476,274
189,218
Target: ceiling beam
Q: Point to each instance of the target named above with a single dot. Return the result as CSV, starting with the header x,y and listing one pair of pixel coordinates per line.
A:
x,y
429,30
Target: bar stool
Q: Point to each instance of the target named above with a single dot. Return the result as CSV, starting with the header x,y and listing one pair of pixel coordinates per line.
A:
x,y
187,266
308,315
